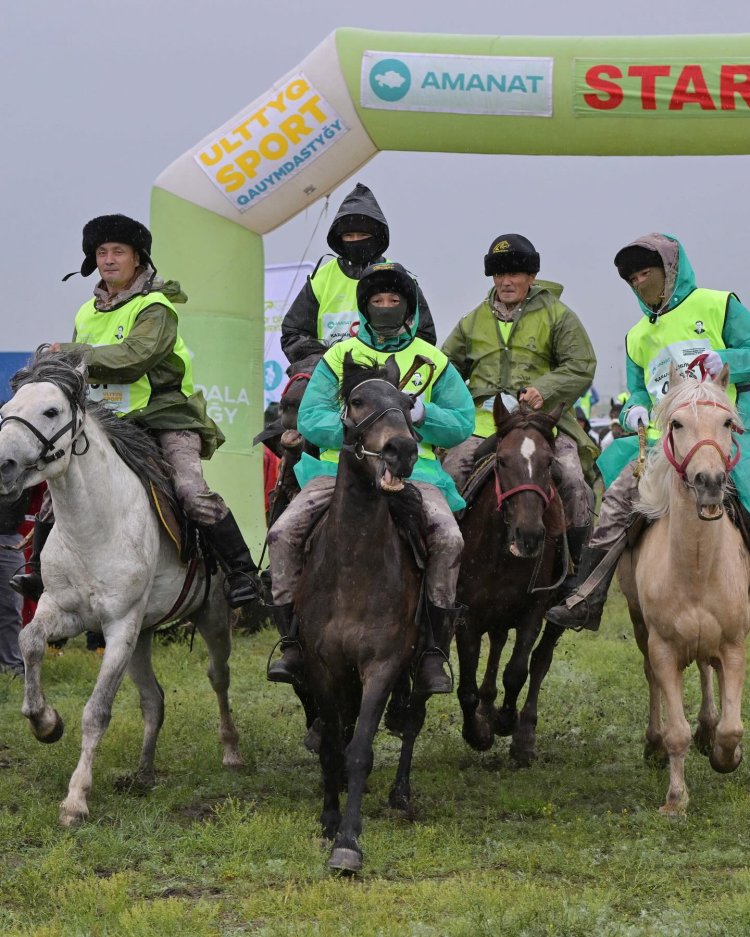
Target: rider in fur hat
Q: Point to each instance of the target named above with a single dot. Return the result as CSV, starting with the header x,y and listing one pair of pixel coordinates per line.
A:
x,y
139,365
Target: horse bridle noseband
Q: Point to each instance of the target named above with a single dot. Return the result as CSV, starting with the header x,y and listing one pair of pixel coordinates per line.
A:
x,y
357,447
49,453
681,467
546,496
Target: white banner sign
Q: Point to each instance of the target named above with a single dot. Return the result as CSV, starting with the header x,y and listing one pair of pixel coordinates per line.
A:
x,y
457,84
282,283
270,142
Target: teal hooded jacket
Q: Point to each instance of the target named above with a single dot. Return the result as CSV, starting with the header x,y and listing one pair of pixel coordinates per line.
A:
x,y
449,416
680,283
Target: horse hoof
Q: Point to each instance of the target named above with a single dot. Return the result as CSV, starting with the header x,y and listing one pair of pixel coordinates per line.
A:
x,y
480,741
674,810
523,757
135,783
344,860
505,723
399,800
55,735
724,767
74,818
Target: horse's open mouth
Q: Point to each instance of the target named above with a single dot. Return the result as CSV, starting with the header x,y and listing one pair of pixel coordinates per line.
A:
x,y
710,512
388,481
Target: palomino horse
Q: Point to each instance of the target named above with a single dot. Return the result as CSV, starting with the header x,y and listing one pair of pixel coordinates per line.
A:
x,y
358,597
686,581
513,548
108,564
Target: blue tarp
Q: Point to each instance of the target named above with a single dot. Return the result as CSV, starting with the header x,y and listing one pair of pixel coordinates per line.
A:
x,y
10,362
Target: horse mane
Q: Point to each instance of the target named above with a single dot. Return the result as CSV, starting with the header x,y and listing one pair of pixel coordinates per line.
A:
x,y
527,418
355,372
655,485
133,444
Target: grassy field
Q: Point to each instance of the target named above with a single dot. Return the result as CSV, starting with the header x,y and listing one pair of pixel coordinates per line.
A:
x,y
572,846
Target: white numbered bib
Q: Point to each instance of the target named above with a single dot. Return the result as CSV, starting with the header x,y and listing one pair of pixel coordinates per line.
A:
x,y
339,325
114,396
680,354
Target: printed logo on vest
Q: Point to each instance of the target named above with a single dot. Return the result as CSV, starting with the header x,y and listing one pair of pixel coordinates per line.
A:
x,y
699,327
417,379
119,336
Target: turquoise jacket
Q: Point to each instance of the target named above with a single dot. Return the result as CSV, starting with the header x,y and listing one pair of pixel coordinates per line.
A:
x,y
736,337
449,417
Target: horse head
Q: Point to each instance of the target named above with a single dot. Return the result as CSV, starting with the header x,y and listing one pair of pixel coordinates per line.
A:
x,y
42,421
377,423
524,457
698,422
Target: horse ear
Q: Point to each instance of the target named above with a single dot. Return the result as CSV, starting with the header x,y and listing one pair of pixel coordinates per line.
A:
x,y
612,402
349,364
722,378
392,370
500,412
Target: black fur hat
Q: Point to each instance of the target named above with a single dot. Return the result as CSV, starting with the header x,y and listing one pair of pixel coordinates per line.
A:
x,y
636,257
387,277
511,253
117,228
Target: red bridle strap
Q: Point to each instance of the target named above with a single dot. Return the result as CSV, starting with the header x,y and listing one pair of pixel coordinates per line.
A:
x,y
681,467
297,377
504,495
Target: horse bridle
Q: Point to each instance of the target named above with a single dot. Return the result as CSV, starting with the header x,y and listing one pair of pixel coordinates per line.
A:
x,y
357,447
49,453
681,467
546,496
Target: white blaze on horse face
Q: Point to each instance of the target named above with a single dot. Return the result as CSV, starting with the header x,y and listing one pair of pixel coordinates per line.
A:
x,y
528,448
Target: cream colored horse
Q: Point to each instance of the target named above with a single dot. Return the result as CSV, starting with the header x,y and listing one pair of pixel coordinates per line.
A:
x,y
686,581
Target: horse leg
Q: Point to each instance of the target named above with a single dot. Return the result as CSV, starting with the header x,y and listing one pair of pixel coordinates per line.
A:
x,y
654,751
331,756
142,674
120,639
523,745
708,715
488,688
726,753
516,673
346,855
676,732
476,732
213,623
400,794
49,622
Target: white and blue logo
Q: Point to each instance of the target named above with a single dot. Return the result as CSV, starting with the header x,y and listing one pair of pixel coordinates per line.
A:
x,y
390,79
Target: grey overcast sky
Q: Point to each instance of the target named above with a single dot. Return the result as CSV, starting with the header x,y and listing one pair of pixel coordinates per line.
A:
x,y
98,97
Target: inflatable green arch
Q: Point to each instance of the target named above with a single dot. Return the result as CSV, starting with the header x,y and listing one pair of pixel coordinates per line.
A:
x,y
360,92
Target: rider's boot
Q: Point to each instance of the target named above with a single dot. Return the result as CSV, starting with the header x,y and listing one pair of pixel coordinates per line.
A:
x,y
235,559
577,539
288,668
439,625
30,584
578,612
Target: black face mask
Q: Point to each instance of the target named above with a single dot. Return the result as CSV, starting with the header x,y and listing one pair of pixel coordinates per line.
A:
x,y
387,320
359,252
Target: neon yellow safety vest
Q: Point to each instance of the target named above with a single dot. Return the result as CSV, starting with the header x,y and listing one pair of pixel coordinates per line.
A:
x,y
363,354
108,328
692,328
338,317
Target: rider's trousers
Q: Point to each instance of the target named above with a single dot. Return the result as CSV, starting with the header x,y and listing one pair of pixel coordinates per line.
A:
x,y
287,537
616,513
574,492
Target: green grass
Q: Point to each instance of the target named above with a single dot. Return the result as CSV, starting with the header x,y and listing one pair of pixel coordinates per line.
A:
x,y
572,846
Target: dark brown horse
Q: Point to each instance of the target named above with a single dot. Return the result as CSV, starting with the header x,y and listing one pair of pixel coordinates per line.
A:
x,y
513,553
358,598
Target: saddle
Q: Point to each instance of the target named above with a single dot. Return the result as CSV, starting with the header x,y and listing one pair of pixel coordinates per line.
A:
x,y
180,529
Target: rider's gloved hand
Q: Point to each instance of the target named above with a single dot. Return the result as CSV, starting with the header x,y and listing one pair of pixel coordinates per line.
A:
x,y
635,416
713,363
417,411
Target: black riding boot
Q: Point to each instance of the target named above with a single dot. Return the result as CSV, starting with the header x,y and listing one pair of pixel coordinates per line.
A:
x,y
30,584
288,668
587,613
234,556
439,625
577,540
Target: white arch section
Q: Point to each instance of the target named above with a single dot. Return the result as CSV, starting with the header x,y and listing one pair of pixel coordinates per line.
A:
x,y
363,91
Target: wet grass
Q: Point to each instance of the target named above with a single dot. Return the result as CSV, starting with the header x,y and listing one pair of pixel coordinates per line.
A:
x,y
572,846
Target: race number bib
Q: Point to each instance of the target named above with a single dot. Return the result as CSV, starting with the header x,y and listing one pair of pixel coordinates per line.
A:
x,y
680,354
114,396
339,325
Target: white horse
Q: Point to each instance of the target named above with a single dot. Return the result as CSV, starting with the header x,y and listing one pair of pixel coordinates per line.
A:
x,y
686,581
108,565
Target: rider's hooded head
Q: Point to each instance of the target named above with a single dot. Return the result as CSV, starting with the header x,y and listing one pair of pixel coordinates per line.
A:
x,y
387,300
359,233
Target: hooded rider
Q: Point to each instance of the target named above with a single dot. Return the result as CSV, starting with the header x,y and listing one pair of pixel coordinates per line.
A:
x,y
138,364
387,299
680,322
325,310
522,340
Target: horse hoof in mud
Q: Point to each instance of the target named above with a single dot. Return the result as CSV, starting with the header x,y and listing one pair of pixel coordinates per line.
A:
x,y
505,721
53,735
723,765
478,734
675,809
346,861
523,755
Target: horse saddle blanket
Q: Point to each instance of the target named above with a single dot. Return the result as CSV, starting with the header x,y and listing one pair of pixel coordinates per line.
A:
x,y
483,474
181,531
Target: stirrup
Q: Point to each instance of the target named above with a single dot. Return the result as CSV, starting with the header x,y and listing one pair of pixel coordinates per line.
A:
x,y
434,652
